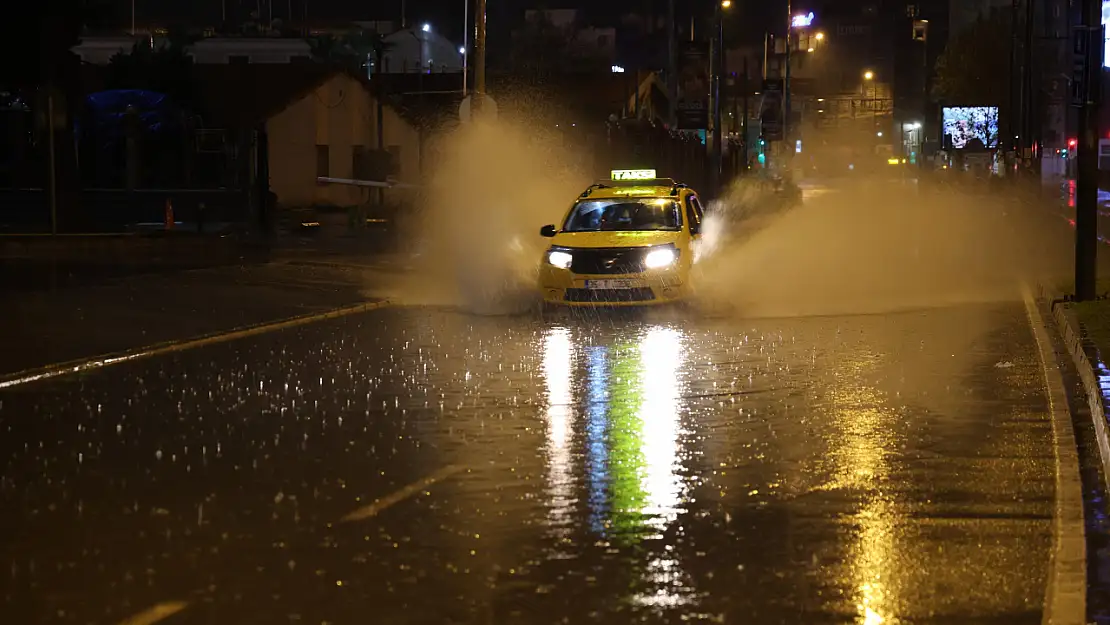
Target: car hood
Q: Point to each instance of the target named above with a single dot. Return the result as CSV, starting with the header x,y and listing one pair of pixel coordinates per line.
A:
x,y
614,239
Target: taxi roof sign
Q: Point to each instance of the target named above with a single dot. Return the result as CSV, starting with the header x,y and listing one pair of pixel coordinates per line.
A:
x,y
632,174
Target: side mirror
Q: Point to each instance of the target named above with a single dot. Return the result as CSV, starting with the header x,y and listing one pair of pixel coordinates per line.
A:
x,y
547,231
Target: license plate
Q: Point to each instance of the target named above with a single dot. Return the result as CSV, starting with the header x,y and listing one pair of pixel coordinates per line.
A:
x,y
612,284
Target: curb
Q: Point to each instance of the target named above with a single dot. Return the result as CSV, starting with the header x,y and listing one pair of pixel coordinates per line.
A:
x,y
1065,598
96,362
1066,593
1077,345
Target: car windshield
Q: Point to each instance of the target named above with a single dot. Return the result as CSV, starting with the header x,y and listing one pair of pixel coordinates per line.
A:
x,y
624,214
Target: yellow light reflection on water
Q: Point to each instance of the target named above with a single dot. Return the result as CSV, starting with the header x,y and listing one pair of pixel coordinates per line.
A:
x,y
860,464
632,450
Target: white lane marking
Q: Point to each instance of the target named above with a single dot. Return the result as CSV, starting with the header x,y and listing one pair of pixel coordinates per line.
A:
x,y
57,370
1065,600
365,512
156,613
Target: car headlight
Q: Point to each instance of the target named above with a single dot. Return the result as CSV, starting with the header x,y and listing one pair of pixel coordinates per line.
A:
x,y
560,259
657,259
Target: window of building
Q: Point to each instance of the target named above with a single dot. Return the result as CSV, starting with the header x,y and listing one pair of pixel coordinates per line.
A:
x,y
323,161
239,59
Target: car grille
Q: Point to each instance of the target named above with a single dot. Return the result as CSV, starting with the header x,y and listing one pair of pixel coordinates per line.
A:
x,y
608,260
641,294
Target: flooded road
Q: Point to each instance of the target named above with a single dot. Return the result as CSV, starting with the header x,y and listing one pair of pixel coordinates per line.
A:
x,y
426,466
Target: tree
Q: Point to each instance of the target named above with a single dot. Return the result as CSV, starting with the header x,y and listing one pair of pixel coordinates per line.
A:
x,y
352,50
542,48
164,68
974,69
39,41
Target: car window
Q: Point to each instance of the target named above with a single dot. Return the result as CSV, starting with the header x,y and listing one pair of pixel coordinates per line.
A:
x,y
624,214
693,213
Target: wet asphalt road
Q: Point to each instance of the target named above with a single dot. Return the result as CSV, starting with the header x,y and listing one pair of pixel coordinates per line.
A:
x,y
870,469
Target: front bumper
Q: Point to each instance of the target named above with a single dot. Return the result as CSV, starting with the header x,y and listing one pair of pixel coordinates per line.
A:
x,y
649,288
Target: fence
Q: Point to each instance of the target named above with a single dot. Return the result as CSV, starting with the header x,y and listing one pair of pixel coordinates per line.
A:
x,y
114,210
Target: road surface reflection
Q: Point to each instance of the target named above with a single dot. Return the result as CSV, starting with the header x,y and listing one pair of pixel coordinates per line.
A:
x,y
631,462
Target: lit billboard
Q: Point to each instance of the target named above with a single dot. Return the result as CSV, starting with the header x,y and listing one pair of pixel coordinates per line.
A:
x,y
965,124
1106,42
805,21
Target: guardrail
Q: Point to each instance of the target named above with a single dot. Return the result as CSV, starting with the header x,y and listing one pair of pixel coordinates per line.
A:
x,y
377,184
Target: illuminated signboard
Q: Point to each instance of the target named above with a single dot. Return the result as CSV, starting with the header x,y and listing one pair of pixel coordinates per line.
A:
x,y
804,21
969,125
1106,42
633,174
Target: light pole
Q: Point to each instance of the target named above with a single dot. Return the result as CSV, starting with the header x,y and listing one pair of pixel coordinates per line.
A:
x,y
716,58
463,50
868,76
788,157
479,56
1086,177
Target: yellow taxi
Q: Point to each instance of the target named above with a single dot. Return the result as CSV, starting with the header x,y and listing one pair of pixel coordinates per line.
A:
x,y
627,241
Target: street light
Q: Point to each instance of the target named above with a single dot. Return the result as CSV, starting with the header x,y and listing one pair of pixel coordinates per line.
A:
x,y
820,36
716,60
868,75
426,27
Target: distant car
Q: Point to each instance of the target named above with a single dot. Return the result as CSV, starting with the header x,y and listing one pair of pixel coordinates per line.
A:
x,y
627,241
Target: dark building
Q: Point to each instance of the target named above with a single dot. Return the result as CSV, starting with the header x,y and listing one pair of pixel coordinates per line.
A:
x,y
886,50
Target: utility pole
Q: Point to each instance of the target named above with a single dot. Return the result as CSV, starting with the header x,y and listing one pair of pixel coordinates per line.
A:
x,y
53,171
745,90
479,57
466,39
1031,135
716,41
672,64
788,151
1087,48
